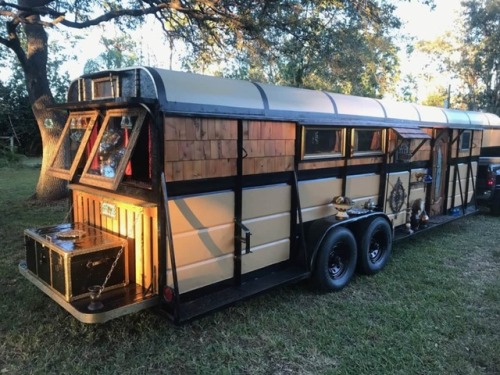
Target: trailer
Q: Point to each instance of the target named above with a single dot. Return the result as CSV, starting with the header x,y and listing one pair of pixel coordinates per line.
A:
x,y
190,192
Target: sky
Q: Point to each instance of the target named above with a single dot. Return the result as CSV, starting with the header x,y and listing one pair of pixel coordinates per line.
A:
x,y
424,24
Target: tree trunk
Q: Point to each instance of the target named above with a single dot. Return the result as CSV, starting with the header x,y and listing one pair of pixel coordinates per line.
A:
x,y
40,96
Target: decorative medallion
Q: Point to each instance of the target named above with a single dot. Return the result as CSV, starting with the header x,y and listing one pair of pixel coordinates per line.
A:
x,y
397,197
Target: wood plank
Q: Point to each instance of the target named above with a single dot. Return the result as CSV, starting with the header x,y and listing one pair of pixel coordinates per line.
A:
x,y
269,148
266,130
277,130
248,166
290,147
190,129
171,129
280,147
178,171
289,131
171,150
254,130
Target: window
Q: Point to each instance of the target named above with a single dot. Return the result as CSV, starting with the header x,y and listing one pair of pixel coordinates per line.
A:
x,y
110,157
465,140
369,141
74,143
321,142
103,88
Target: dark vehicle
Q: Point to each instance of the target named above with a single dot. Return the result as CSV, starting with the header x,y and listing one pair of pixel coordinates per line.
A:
x,y
488,183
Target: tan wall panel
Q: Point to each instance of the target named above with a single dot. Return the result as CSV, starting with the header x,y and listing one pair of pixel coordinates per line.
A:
x,y
313,213
362,186
265,201
398,220
491,138
266,255
404,177
319,192
201,274
417,186
269,228
204,244
200,212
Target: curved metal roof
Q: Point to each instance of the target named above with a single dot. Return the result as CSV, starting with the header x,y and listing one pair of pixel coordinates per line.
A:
x,y
189,93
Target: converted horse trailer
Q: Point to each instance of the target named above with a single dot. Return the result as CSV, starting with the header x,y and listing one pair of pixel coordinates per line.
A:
x,y
191,192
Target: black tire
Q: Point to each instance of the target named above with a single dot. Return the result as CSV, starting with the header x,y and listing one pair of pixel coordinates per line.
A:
x,y
336,260
376,247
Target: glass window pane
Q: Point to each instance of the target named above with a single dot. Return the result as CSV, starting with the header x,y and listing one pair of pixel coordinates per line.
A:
x,y
112,146
72,144
110,157
368,140
319,142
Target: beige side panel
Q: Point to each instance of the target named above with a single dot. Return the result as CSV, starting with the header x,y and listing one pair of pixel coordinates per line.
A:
x,y
319,192
266,255
201,274
269,229
362,186
209,243
462,183
491,138
397,195
398,219
201,212
313,213
265,201
417,185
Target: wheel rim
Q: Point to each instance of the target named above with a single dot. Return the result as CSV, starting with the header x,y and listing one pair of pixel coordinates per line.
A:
x,y
378,244
338,261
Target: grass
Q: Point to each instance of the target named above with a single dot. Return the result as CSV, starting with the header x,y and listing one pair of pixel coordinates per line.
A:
x,y
434,310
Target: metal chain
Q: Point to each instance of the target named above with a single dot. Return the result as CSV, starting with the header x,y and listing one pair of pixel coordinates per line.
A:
x,y
110,271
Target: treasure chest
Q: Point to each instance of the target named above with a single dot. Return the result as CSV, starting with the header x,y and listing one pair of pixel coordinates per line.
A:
x,y
71,258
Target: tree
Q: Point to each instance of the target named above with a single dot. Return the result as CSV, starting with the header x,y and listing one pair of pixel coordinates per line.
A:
x,y
331,45
480,62
119,53
201,23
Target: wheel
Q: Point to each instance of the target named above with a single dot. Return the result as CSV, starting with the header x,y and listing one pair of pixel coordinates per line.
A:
x,y
336,260
376,246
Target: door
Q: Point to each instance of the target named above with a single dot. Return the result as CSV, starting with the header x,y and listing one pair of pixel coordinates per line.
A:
x,y
439,162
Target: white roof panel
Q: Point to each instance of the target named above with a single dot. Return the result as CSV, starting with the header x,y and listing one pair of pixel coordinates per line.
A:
x,y
297,100
400,111
434,115
357,106
183,87
457,117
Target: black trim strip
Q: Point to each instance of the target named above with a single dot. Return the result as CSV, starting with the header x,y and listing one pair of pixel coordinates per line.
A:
x,y
265,100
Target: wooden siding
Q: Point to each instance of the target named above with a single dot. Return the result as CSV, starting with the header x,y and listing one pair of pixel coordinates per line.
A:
x,y
135,220
198,148
270,146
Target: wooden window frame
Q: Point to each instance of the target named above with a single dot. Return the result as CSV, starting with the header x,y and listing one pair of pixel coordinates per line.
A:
x,y
469,145
113,182
380,151
322,155
115,87
68,173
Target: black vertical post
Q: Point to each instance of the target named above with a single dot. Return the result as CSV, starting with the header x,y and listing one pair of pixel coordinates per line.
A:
x,y
238,204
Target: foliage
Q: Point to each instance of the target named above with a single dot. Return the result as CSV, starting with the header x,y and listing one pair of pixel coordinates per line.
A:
x,y
433,310
480,62
328,45
119,53
16,115
470,56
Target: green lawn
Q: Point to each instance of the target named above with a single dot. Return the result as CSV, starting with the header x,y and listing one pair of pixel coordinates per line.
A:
x,y
434,310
